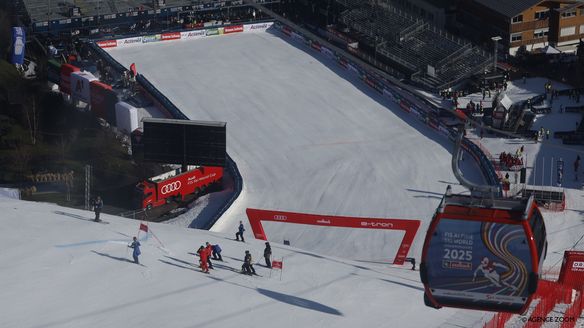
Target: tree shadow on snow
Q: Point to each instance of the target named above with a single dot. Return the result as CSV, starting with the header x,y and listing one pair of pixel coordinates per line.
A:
x,y
298,301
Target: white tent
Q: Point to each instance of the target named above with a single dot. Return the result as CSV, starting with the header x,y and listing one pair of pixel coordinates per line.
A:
x,y
549,50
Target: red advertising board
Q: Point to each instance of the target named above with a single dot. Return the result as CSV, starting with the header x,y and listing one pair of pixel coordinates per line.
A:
x,y
103,101
572,272
170,36
410,227
233,29
65,83
107,43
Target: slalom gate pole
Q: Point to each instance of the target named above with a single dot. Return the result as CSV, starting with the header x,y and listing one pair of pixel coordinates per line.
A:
x,y
282,269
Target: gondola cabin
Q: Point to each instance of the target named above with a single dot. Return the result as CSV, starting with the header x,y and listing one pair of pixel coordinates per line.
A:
x,y
483,253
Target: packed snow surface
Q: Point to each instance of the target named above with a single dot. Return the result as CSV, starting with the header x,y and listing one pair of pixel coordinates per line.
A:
x,y
306,135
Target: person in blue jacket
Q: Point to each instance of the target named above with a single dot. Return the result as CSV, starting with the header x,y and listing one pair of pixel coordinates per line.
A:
x,y
136,246
241,229
216,252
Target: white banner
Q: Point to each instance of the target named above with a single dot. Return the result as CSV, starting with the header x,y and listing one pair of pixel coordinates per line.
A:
x,y
130,41
191,35
126,117
10,193
80,86
260,27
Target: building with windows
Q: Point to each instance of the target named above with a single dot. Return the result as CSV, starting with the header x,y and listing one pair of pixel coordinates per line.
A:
x,y
530,23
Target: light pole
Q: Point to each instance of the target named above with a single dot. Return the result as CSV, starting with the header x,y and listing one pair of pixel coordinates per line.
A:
x,y
496,40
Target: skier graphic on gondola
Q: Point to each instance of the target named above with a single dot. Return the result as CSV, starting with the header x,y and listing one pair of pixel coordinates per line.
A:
x,y
488,268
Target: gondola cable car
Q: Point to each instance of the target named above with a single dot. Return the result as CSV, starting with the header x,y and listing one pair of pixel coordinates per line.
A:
x,y
482,251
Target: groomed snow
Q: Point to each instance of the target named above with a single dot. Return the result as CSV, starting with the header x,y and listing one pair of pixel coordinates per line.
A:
x,y
307,136
59,269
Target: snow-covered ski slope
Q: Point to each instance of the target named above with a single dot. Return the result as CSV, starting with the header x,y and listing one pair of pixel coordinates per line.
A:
x,y
58,269
307,137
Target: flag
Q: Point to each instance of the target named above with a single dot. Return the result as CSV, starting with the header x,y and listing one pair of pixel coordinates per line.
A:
x,y
143,227
277,264
133,69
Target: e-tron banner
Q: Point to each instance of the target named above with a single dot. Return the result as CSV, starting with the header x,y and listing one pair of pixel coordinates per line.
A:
x,y
18,44
410,227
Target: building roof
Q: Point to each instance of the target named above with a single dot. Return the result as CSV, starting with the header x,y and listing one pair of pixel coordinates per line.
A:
x,y
509,8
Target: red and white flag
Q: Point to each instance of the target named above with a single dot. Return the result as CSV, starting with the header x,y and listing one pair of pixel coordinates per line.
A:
x,y
277,264
133,69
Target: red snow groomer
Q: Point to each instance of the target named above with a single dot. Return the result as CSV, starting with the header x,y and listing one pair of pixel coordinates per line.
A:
x,y
173,185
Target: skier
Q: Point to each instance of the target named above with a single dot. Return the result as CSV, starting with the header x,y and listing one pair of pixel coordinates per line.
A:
x,y
217,252
268,254
488,268
209,250
247,266
241,229
136,246
97,205
203,259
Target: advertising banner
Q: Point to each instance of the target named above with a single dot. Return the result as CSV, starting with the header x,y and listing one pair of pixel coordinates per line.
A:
x,y
129,41
212,31
329,53
410,227
260,27
405,105
103,101
107,44
151,38
80,89
485,264
170,36
233,29
191,35
18,45
65,82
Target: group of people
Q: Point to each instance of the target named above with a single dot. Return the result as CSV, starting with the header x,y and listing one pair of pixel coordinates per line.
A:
x,y
205,253
510,160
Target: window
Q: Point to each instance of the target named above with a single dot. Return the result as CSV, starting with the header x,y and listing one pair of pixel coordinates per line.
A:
x,y
517,19
570,13
568,31
516,37
540,33
539,233
541,14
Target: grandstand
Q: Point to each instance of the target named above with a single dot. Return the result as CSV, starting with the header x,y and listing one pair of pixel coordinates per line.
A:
x,y
60,15
430,56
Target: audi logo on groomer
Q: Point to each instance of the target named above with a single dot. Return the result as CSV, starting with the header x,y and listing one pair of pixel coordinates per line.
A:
x,y
170,187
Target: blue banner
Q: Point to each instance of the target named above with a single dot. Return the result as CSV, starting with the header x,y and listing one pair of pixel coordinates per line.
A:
x,y
18,43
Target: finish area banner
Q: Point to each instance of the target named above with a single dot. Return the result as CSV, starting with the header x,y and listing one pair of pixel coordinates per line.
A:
x,y
410,227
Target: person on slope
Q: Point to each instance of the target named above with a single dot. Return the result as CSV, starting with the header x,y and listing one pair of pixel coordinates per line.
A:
x,y
240,231
268,255
203,259
97,206
209,250
247,266
217,252
136,246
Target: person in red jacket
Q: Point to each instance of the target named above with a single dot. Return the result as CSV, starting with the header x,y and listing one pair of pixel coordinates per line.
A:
x,y
209,250
203,258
